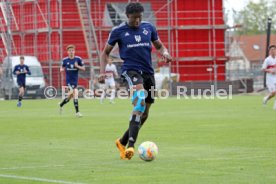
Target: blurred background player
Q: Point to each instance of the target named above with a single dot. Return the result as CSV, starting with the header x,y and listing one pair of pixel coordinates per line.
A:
x,y
72,64
269,66
20,71
109,85
135,39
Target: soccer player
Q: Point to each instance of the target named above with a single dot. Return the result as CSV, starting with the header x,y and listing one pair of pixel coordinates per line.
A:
x,y
110,73
269,66
20,71
135,38
72,64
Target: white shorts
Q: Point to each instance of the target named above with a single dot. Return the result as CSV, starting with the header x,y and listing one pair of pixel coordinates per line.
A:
x,y
109,82
271,87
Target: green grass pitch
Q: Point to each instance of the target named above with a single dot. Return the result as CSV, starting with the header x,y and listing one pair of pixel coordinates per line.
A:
x,y
199,141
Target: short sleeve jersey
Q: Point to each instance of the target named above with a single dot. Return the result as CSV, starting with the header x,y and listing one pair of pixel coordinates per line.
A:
x,y
270,62
71,70
21,78
134,45
110,70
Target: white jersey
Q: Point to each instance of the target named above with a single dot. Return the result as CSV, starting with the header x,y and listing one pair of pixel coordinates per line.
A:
x,y
270,62
110,70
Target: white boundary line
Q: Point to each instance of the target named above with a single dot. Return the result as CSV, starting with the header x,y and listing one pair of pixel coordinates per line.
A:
x,y
36,179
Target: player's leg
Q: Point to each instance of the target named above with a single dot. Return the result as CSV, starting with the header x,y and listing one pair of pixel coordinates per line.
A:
x,y
104,88
125,137
66,99
272,92
113,90
145,114
138,100
76,102
149,85
20,94
134,80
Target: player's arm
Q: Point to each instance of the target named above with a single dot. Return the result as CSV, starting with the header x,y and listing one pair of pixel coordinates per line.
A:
x,y
28,70
270,70
62,67
265,67
15,71
104,57
80,66
162,50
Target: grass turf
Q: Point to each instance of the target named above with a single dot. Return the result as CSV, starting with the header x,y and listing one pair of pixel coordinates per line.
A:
x,y
200,141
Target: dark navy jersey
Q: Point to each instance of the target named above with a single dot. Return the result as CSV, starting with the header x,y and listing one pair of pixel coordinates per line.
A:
x,y
71,70
21,78
134,45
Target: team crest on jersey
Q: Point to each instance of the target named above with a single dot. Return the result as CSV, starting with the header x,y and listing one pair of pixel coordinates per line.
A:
x,y
137,38
126,34
71,66
145,32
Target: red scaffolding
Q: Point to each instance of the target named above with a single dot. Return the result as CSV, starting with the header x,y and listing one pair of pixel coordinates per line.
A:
x,y
192,30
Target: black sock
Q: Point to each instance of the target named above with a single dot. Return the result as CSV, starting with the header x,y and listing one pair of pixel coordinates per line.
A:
x,y
65,101
20,98
125,137
76,104
134,126
143,119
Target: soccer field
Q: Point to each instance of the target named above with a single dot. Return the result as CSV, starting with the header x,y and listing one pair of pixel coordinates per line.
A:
x,y
199,141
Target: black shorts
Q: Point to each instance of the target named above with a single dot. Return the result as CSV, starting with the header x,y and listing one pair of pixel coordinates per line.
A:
x,y
21,84
133,78
72,86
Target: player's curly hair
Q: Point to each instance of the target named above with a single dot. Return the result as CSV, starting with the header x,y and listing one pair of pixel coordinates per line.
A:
x,y
134,7
272,46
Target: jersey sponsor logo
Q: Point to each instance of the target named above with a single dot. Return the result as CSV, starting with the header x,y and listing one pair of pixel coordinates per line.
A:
x,y
145,32
138,45
137,38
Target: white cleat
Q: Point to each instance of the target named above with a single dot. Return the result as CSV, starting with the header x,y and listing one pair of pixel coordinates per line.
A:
x,y
78,115
265,100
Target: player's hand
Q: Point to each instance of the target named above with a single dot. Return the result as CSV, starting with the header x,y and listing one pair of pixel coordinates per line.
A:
x,y
76,65
101,78
167,57
271,71
25,71
17,72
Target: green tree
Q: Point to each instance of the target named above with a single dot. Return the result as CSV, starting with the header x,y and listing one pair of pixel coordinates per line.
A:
x,y
253,17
